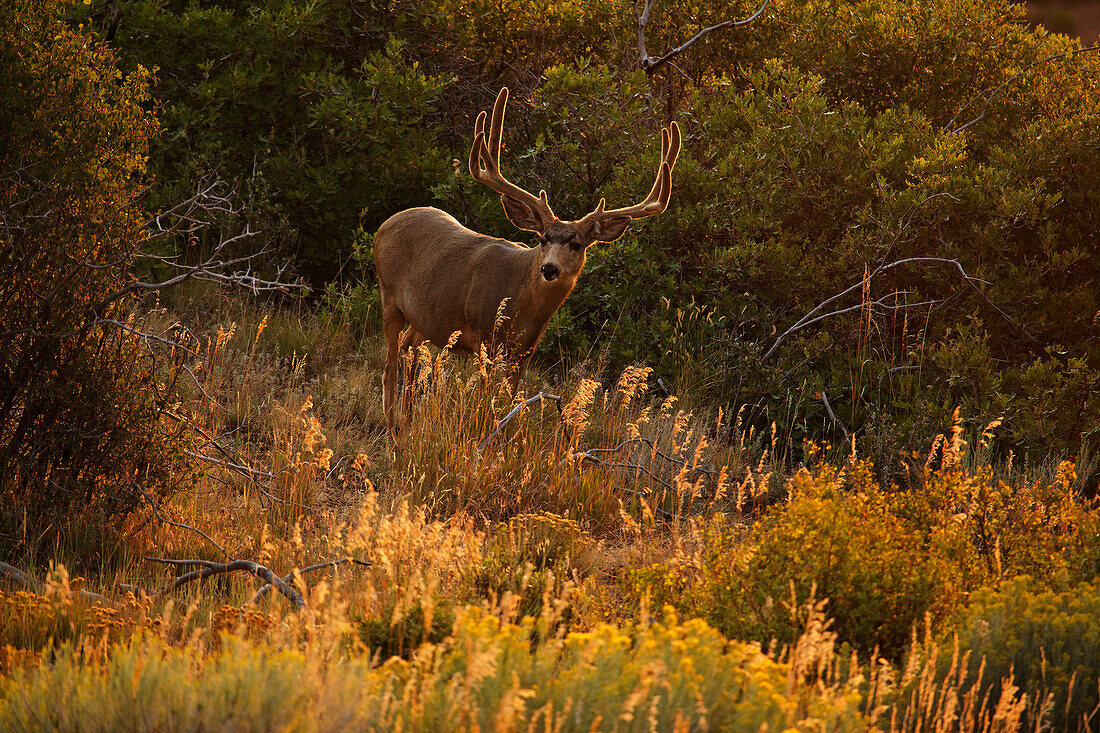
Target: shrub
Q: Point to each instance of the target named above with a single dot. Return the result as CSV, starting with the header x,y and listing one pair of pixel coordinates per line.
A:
x,y
1027,527
83,398
1047,642
319,115
839,535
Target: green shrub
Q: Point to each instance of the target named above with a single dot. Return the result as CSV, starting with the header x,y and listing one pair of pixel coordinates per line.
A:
x,y
485,675
838,540
796,179
1031,527
319,115
883,559
1047,642
839,537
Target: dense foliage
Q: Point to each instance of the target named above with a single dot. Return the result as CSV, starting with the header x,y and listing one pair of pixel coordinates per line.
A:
x,y
868,403
81,396
1045,640
880,561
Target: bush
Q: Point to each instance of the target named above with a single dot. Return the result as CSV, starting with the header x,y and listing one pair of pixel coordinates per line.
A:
x,y
82,397
1031,527
839,537
318,114
1046,642
882,560
796,179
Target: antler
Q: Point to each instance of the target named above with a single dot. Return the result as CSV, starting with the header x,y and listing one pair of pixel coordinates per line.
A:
x,y
657,200
485,167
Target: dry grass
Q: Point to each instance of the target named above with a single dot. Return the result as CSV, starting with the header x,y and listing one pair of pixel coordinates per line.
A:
x,y
488,594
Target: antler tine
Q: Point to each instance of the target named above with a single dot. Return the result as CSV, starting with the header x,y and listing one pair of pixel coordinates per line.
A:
x,y
485,161
496,131
659,194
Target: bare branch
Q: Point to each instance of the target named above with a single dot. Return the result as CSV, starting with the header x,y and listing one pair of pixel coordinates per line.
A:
x,y
816,314
14,573
143,334
650,64
312,568
250,473
991,94
832,415
515,411
208,568
156,512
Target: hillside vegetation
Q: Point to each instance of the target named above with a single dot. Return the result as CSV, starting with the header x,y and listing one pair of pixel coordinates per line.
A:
x,y
815,448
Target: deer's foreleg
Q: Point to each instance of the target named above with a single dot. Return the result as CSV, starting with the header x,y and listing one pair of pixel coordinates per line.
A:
x,y
410,343
517,364
393,321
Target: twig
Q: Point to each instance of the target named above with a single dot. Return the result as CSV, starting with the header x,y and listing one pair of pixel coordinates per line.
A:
x,y
993,92
209,568
813,317
832,416
249,473
515,411
592,452
302,571
153,506
228,464
650,64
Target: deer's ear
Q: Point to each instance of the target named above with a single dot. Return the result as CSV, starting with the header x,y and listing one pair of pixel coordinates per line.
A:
x,y
522,215
610,228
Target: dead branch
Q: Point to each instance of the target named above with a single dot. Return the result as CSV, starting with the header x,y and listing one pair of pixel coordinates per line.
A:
x,y
156,513
593,453
249,473
208,568
990,94
515,411
832,415
650,64
815,315
302,571
213,201
10,571
25,580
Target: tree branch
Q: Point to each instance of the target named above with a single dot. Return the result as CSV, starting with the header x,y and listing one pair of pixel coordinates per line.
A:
x,y
991,94
208,568
650,64
515,411
14,573
813,316
319,566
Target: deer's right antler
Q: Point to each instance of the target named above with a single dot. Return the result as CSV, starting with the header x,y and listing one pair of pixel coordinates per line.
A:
x,y
526,210
658,197
610,225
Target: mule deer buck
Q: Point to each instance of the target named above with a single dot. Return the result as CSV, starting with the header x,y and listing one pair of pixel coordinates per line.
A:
x,y
451,284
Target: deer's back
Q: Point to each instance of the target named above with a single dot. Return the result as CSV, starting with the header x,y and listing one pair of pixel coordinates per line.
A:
x,y
428,265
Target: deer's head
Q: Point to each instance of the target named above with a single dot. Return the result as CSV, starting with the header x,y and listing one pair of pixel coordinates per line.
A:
x,y
563,243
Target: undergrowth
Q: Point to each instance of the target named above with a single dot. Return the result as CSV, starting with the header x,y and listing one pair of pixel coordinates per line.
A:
x,y
612,559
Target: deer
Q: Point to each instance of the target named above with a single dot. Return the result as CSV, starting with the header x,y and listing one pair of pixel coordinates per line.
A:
x,y
466,291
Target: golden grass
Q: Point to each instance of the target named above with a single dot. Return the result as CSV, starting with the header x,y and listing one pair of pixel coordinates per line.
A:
x,y
489,596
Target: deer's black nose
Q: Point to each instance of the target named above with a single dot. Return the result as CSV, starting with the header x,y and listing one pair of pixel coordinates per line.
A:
x,y
550,272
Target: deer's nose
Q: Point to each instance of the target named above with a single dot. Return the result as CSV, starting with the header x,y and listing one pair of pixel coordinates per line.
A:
x,y
549,272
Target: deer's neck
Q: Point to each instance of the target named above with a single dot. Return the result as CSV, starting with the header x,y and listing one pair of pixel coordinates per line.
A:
x,y
538,300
